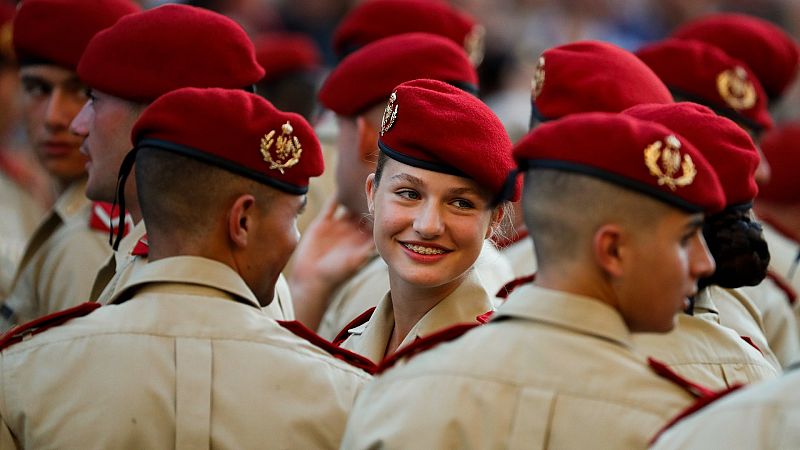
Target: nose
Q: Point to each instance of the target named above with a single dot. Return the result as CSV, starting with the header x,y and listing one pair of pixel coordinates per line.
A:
x,y
701,263
60,110
763,171
80,124
428,223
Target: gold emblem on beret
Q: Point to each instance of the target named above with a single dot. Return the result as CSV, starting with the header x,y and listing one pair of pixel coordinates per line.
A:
x,y
287,148
537,83
475,44
664,164
736,89
389,114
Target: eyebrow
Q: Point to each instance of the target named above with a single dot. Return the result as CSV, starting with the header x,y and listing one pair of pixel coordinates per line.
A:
x,y
694,224
409,178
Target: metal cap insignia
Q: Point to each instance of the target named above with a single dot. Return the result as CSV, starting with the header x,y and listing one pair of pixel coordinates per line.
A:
x,y
475,44
736,89
664,164
537,83
389,114
287,148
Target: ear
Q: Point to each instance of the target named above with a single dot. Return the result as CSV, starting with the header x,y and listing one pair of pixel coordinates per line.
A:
x,y
370,188
241,216
497,216
367,140
608,248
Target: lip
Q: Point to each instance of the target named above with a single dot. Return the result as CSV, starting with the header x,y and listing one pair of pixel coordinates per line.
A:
x,y
418,257
57,149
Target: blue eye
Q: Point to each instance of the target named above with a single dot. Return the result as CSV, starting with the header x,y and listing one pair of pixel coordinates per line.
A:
x,y
408,194
463,204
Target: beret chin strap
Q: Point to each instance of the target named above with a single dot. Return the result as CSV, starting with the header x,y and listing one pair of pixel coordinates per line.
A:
x,y
119,197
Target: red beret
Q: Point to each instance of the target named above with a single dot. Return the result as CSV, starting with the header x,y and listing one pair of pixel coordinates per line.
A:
x,y
57,31
768,50
366,77
781,147
633,153
725,145
592,76
376,19
148,54
281,54
434,126
702,73
235,130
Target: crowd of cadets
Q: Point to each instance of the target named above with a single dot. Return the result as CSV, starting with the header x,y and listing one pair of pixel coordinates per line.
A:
x,y
623,276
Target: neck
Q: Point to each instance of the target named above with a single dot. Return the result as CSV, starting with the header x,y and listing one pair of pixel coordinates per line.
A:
x,y
784,218
576,282
410,303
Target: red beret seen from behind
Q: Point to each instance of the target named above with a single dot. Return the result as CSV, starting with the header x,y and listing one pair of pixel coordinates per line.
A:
x,y
281,54
234,130
705,74
367,77
153,52
592,76
434,126
375,19
57,31
768,50
636,154
725,145
781,147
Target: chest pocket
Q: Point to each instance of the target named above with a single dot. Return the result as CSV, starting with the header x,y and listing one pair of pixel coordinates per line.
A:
x,y
192,393
531,425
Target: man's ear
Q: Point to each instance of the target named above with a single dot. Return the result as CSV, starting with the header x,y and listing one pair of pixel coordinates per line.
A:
x,y
609,249
367,140
370,188
240,219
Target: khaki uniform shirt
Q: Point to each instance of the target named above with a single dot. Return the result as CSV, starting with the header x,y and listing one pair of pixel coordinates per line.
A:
x,y
760,417
182,358
550,370
780,324
521,257
371,282
109,278
59,263
783,253
463,305
19,215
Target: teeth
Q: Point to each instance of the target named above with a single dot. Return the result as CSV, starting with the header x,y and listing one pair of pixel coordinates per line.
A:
x,y
424,250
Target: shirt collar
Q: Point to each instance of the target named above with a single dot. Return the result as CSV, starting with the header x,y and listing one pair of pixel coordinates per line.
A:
x,y
70,202
578,313
191,270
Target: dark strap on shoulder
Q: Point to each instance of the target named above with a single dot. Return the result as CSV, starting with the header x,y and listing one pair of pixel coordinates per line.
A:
x,y
791,294
699,404
509,287
425,343
664,371
358,321
43,323
347,356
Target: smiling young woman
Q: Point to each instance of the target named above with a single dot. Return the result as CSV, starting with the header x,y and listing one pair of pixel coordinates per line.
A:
x,y
444,157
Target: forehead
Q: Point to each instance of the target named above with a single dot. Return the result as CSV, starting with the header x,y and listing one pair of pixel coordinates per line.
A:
x,y
50,73
398,172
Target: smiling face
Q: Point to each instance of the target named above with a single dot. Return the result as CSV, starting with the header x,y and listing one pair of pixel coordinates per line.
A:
x,y
429,227
52,97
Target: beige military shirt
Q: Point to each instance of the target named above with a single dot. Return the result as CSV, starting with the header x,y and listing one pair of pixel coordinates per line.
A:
x,y
59,263
182,358
463,305
371,282
764,416
19,215
784,255
122,263
520,256
550,370
780,324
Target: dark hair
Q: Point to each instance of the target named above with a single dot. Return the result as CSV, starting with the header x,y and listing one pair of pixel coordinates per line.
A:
x,y
382,158
737,244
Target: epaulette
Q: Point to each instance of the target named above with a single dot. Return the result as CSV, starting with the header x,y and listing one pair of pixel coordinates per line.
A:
x,y
104,217
791,294
142,248
664,371
509,287
750,341
345,332
36,326
507,241
699,404
345,355
426,343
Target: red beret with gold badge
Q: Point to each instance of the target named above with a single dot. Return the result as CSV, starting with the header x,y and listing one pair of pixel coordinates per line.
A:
x,y
702,73
367,76
632,153
172,46
781,147
234,130
766,48
432,125
57,31
375,19
591,76
281,54
725,145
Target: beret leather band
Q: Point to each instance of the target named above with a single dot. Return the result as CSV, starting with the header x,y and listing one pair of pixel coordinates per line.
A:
x,y
418,163
222,163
